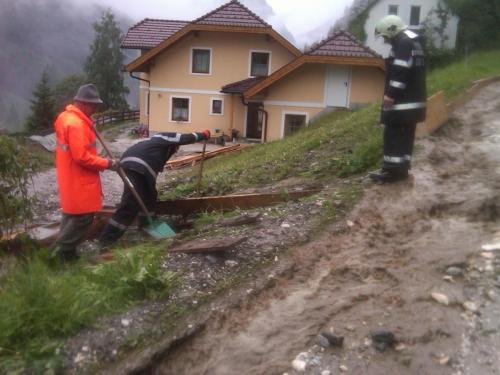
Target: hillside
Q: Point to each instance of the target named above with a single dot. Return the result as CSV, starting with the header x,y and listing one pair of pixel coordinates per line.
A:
x,y
36,36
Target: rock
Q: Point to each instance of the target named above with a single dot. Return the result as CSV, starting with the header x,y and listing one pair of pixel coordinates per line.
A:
x,y
487,255
231,263
492,296
383,339
454,271
400,347
491,247
300,362
470,306
343,368
125,322
325,372
85,348
448,278
444,360
79,358
285,225
350,327
441,298
350,223
322,341
333,340
211,259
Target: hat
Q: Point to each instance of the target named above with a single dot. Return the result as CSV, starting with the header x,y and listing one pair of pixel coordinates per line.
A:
x,y
88,94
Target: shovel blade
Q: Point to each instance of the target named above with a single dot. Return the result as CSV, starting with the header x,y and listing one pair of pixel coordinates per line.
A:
x,y
159,230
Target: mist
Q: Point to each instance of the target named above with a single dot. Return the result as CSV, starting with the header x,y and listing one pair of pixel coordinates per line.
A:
x,y
50,35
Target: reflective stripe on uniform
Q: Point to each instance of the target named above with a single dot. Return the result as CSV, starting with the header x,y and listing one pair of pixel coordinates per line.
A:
x,y
175,139
116,224
63,146
133,159
405,106
404,64
398,85
408,157
394,159
196,136
410,34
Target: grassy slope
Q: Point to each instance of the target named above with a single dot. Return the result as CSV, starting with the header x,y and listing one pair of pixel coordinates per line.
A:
x,y
40,305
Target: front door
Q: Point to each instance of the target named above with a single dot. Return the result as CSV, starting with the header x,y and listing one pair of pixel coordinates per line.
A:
x,y
254,121
337,86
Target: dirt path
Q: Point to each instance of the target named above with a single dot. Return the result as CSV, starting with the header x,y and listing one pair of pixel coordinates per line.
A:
x,y
379,272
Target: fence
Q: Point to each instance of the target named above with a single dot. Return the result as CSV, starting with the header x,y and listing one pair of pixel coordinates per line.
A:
x,y
118,116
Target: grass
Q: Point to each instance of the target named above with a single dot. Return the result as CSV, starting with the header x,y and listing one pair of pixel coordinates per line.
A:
x,y
40,305
457,77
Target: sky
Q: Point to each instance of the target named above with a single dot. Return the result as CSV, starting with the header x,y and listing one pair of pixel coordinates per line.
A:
x,y
307,20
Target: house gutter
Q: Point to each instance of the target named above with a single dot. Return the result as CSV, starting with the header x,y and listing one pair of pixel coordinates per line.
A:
x,y
149,96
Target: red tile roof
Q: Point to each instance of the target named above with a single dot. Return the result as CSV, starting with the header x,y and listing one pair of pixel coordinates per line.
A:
x,y
232,14
241,86
150,32
342,44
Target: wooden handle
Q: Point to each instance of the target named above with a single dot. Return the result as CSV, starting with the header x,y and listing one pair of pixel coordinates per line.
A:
x,y
200,171
124,177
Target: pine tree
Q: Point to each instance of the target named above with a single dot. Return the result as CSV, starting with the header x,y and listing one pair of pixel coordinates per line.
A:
x,y
42,107
104,64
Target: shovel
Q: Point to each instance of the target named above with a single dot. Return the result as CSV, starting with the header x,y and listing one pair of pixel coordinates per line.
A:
x,y
156,229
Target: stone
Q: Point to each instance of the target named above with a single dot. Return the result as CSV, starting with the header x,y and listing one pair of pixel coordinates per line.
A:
x,y
300,362
383,339
125,322
231,263
440,298
343,368
285,225
322,341
470,306
492,296
333,340
454,271
444,360
325,372
487,255
491,247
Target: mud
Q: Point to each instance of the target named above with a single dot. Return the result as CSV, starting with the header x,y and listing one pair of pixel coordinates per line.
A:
x,y
378,272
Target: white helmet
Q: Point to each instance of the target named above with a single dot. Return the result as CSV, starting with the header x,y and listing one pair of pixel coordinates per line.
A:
x,y
389,26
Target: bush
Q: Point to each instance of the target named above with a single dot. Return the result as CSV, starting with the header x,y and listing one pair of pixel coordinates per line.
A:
x,y
16,168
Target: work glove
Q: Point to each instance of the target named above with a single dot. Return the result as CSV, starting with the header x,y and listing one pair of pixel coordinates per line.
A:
x,y
206,134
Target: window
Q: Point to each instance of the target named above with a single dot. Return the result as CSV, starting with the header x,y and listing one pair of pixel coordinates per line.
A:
x,y
415,16
200,61
216,106
294,122
180,109
259,64
393,9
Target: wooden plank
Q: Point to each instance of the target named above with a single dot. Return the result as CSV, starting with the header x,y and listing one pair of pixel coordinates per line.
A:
x,y
193,158
437,115
228,202
207,246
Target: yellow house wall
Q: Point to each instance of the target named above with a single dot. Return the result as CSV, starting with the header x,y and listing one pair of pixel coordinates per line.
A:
x,y
143,88
276,118
230,61
367,85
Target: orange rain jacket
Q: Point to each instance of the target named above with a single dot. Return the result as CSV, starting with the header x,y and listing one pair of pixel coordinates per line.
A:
x,y
77,163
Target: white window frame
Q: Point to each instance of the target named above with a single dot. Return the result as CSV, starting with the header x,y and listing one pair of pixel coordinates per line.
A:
x,y
283,115
211,107
419,16
270,53
389,9
171,107
191,51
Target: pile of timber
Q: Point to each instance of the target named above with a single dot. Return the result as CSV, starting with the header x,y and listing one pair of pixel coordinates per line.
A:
x,y
191,159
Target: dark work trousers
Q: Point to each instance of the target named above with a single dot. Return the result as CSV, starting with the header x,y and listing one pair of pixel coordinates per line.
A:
x,y
398,147
129,208
72,231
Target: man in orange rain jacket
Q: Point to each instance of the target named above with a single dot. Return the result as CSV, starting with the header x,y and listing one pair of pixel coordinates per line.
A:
x,y
78,167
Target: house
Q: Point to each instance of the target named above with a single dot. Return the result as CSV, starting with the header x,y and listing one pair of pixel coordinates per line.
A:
x,y
415,13
231,71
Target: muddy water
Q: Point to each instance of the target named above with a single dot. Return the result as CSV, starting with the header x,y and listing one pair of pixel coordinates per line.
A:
x,y
378,273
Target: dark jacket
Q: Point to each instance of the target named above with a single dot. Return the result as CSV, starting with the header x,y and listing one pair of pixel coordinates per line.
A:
x,y
405,80
149,157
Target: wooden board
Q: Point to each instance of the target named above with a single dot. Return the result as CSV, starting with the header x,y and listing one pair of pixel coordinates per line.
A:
x,y
207,246
227,202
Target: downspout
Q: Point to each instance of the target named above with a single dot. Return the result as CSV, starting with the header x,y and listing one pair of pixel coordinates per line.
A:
x,y
149,96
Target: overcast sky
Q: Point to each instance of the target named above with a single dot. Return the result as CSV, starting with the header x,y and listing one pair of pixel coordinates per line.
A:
x,y
307,20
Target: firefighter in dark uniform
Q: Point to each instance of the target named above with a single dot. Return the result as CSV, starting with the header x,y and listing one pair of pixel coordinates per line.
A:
x,y
404,103
142,162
